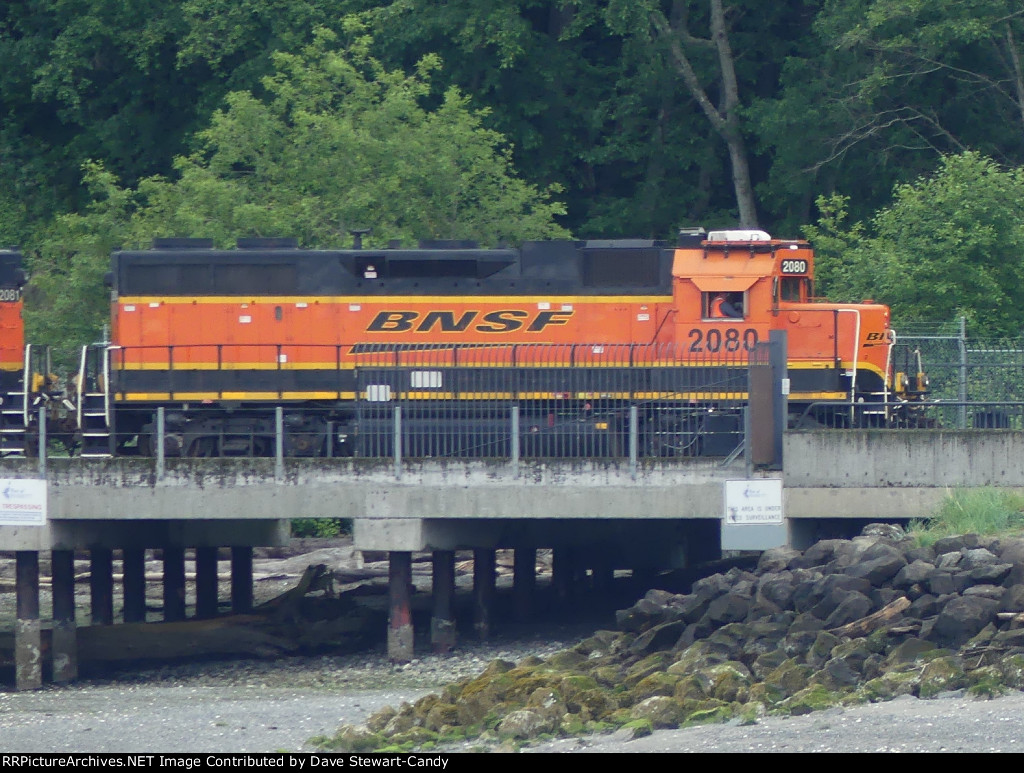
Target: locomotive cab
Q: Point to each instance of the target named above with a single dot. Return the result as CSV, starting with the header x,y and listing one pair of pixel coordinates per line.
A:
x,y
835,352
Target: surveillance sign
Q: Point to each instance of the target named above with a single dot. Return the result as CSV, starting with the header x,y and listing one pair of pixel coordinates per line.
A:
x,y
22,502
753,501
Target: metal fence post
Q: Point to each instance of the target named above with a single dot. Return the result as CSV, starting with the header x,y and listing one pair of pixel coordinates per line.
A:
x,y
398,442
279,443
780,390
515,440
962,386
161,430
634,438
42,441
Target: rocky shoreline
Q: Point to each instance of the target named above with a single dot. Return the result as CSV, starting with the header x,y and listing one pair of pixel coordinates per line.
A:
x,y
845,622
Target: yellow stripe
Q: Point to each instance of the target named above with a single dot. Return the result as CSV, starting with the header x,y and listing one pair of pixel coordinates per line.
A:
x,y
235,366
193,396
199,396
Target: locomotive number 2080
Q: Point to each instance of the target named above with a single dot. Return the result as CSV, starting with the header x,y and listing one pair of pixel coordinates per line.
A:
x,y
729,339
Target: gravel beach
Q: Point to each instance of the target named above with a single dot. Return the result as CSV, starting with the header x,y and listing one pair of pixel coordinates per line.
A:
x,y
254,706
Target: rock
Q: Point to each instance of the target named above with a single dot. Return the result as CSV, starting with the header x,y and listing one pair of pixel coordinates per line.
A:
x,y
524,724
962,618
660,711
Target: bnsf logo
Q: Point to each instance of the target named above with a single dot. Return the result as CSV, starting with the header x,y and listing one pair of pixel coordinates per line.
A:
x,y
877,337
504,321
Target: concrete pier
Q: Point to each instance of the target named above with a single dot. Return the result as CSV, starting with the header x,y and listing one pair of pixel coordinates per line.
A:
x,y
524,580
64,639
28,645
484,591
442,622
206,582
400,630
101,586
133,584
174,584
241,579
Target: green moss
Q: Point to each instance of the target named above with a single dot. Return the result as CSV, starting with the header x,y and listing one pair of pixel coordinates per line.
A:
x,y
813,698
986,683
639,727
712,716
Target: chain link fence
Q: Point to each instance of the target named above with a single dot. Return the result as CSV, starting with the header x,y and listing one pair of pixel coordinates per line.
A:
x,y
973,382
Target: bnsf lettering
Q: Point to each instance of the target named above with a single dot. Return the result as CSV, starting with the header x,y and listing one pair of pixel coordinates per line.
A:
x,y
873,339
504,321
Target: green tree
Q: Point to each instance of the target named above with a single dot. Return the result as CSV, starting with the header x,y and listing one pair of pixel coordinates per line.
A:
x,y
334,141
948,245
882,88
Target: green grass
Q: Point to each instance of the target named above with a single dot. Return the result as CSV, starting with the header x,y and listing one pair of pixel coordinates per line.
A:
x,y
976,511
321,527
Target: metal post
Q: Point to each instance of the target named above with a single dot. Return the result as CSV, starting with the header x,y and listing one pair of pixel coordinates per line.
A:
x,y
42,441
962,392
515,440
397,442
780,396
330,439
279,443
748,457
161,429
634,437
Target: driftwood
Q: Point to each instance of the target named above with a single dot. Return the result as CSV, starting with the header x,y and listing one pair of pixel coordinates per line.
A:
x,y
294,621
866,625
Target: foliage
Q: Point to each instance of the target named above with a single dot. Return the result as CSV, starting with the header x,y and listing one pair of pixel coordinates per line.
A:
x,y
939,251
320,527
981,511
334,142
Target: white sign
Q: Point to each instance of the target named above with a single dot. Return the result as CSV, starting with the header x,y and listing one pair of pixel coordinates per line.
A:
x,y
753,501
22,502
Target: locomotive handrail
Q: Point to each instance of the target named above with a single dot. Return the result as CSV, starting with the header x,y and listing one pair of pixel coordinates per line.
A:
x,y
856,349
26,382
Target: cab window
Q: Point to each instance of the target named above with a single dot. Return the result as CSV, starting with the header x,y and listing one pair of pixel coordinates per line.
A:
x,y
723,304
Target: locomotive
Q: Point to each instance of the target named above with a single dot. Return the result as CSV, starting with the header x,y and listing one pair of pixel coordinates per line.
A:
x,y
21,384
571,333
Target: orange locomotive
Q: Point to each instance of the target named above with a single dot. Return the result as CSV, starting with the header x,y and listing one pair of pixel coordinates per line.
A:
x,y
15,402
571,333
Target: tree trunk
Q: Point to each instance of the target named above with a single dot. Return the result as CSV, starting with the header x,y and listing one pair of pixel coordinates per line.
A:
x,y
724,120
